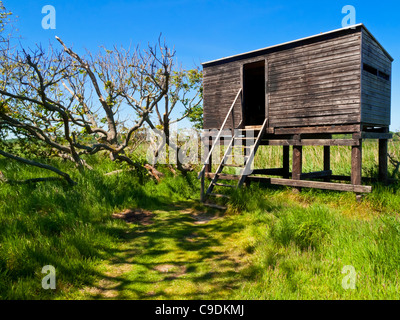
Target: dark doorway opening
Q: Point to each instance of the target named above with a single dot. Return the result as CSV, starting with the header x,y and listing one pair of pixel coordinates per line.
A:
x,y
254,93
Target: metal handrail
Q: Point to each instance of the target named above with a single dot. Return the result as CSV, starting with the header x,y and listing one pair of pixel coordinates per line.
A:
x,y
218,135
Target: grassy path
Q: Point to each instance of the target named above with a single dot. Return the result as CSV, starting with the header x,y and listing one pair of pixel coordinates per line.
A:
x,y
285,246
271,244
181,253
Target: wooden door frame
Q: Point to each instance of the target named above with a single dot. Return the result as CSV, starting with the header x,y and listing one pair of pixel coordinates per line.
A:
x,y
266,101
266,89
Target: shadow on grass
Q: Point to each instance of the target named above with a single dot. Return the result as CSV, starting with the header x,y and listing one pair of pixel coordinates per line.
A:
x,y
173,258
69,228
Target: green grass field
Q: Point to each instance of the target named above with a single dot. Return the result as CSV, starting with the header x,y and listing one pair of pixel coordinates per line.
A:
x,y
271,243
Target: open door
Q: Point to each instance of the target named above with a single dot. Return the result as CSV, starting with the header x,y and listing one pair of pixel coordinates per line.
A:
x,y
254,93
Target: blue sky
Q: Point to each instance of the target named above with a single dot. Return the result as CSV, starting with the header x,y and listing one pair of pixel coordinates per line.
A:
x,y
205,30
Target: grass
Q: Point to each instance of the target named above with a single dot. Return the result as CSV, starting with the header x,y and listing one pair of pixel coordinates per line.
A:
x,y
310,237
270,244
173,258
304,245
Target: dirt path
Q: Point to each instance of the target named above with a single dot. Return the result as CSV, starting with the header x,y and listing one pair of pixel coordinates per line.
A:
x,y
174,253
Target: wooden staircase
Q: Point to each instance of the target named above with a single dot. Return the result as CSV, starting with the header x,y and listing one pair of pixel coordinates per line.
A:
x,y
246,141
240,160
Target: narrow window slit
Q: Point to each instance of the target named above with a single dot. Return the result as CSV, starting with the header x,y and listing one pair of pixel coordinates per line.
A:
x,y
370,69
383,75
376,72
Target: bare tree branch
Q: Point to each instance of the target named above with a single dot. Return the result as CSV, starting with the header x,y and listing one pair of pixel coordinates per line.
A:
x,y
39,165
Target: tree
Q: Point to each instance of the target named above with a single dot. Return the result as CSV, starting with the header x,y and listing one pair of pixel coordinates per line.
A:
x,y
185,89
6,106
196,117
137,79
64,104
73,104
4,23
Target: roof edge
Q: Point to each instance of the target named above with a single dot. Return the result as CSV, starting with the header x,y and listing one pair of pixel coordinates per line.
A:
x,y
298,40
377,42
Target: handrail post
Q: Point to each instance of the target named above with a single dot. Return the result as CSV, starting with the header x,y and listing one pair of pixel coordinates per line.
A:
x,y
202,196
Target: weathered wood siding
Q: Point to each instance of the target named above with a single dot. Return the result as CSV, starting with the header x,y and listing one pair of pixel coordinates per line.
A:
x,y
221,83
220,86
316,84
376,90
313,82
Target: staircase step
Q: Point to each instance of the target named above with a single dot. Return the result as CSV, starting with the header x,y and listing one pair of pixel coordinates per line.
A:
x,y
224,176
245,149
224,185
243,145
219,195
236,155
233,165
245,138
253,127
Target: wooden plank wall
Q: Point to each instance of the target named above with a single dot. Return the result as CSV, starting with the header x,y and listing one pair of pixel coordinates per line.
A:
x,y
316,84
319,83
376,91
221,83
220,86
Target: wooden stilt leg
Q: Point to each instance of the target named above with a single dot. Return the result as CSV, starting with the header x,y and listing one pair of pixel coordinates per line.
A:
x,y
327,161
383,160
356,163
356,166
208,167
202,194
297,164
286,162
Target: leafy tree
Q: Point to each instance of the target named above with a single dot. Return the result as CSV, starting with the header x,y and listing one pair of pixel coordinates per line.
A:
x,y
63,104
184,89
5,17
73,104
6,106
196,117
